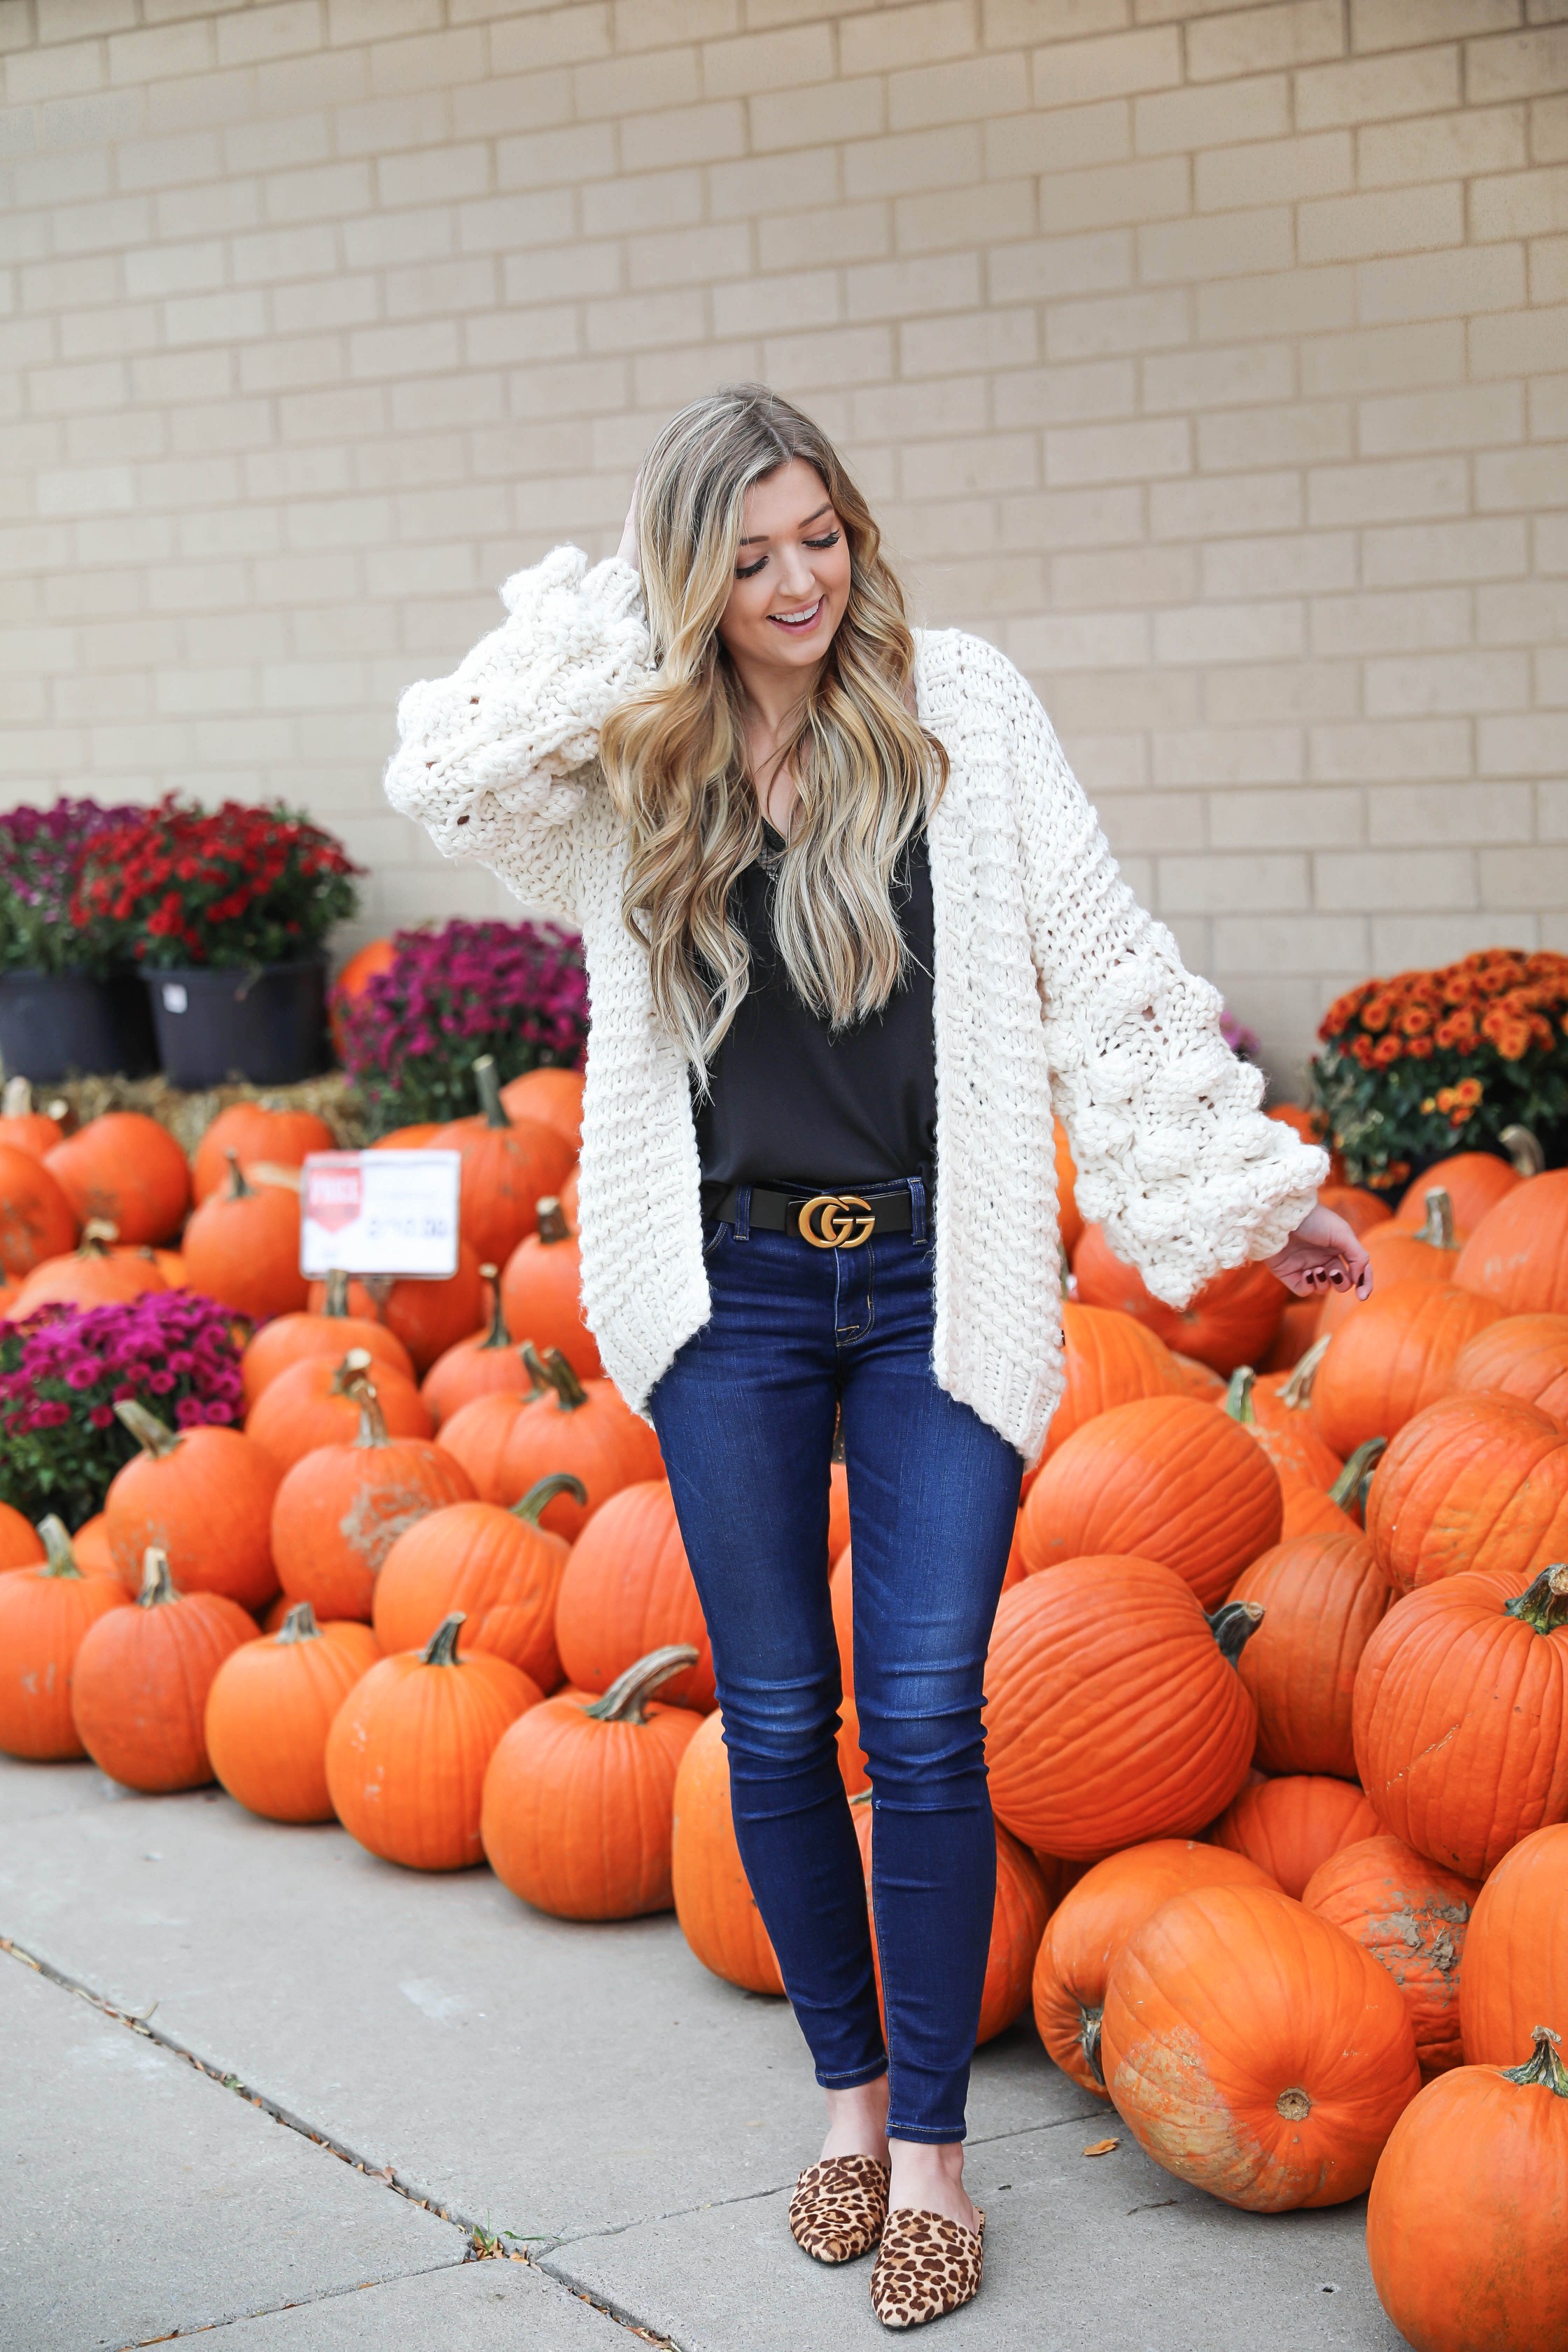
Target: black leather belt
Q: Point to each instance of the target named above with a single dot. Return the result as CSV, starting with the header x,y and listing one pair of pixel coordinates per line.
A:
x,y
825,1220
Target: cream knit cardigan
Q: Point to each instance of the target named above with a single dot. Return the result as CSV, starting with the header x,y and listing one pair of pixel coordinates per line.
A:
x,y
1054,990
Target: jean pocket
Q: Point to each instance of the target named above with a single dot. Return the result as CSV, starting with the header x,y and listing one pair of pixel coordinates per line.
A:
x,y
713,1238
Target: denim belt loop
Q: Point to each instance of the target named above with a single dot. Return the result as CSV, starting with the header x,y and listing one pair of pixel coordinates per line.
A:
x,y
742,1227
916,1209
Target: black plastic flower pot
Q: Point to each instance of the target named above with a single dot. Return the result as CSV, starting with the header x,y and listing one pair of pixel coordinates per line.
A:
x,y
266,1023
64,1024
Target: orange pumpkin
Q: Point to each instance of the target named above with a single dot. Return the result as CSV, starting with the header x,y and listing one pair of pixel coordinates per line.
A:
x,y
258,1136
20,1544
126,1170
23,1129
205,1497
36,1220
315,1402
45,1612
1461,1716
1474,1482
1474,1181
1298,1330
1361,1210
567,1197
1469,2212
1322,1597
92,1275
242,1247
1411,1916
1399,1254
1277,1418
713,1900
1397,1355
1518,1254
541,1293
587,1428
1166,1479
501,1568
90,1545
409,1139
428,1317
578,1810
350,983
141,1678
473,1367
1515,1976
551,1096
1199,1380
1523,1356
1112,1713
1107,1359
291,1340
1019,1916
507,1164
341,1509
627,1590
1339,1512
409,1747
270,1707
1230,1321
1092,1921
1255,2050
1288,1826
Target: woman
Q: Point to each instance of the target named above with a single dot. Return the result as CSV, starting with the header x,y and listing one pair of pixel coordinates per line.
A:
x,y
852,935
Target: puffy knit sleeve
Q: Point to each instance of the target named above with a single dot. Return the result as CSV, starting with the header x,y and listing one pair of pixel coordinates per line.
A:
x,y
1175,1158
496,759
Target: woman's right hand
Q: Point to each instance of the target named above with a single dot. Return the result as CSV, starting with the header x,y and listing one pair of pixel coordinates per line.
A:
x,y
627,550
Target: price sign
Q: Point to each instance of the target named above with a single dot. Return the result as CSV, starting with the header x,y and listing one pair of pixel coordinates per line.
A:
x,y
379,1213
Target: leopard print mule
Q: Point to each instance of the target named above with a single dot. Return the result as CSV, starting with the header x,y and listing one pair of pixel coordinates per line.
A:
x,y
925,2267
840,2206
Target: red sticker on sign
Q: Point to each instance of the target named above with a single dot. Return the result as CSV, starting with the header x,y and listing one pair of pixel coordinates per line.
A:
x,y
335,1191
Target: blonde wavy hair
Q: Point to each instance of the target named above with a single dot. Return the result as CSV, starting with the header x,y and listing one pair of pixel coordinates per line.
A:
x,y
674,752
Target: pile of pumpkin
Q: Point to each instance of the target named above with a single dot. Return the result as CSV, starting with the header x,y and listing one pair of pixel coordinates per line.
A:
x,y
1277,1696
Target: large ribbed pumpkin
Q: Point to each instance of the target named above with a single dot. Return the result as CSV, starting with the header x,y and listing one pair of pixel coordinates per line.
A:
x,y
1469,2213
242,1246
1411,1915
1321,1596
1112,1713
204,1497
1398,1254
554,1096
501,1568
542,1292
316,1402
270,1707
341,1509
1166,1480
1091,1923
1277,1416
1523,1356
1108,1359
1018,1915
627,1589
1291,1825
1515,1961
1461,1716
259,1135
586,1427
1474,1181
1230,1321
142,1679
579,1812
45,1612
474,1367
1396,1356
410,1746
713,1900
20,1544
1255,2050
291,1340
36,1221
126,1170
1473,1482
1518,1254
507,1166
92,1275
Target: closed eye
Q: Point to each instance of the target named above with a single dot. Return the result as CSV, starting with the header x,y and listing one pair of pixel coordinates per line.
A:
x,y
750,570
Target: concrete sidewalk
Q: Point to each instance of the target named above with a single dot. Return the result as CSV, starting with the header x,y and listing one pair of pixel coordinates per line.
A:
x,y
260,2083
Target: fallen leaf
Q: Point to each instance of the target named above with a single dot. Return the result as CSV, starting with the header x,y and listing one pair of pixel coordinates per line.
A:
x,y
1101,2146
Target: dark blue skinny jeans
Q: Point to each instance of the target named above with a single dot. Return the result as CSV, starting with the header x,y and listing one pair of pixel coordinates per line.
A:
x,y
745,1417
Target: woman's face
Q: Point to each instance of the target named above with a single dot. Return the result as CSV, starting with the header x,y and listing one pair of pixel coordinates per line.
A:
x,y
792,574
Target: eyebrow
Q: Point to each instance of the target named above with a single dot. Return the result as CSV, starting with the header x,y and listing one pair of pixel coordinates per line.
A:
x,y
757,537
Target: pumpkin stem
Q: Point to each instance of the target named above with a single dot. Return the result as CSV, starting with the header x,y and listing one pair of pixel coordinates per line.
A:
x,y
157,1584
336,1302
498,1335
1088,2042
298,1626
441,1649
552,1225
1238,1396
1297,1391
373,1429
1350,1487
1523,1148
1437,1226
238,1189
1544,1607
152,1435
553,1371
489,1085
1543,2065
626,1699
97,1235
542,1493
1232,1625
353,1369
16,1100
60,1560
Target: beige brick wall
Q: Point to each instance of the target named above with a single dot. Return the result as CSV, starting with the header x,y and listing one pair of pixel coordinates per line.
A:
x,y
1210,357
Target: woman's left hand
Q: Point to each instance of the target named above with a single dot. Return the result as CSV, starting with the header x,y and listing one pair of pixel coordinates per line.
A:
x,y
1322,1253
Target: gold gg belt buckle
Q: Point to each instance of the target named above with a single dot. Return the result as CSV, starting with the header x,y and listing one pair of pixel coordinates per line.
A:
x,y
826,1222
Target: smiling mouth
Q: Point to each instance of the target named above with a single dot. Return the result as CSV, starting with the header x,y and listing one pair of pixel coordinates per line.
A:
x,y
799,623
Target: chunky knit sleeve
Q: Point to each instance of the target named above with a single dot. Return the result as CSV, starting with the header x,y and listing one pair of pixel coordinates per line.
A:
x,y
496,759
1176,1159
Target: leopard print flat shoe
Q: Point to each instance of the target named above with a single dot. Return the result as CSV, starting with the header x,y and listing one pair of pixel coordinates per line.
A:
x,y
926,2266
840,2206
